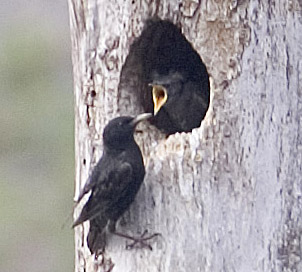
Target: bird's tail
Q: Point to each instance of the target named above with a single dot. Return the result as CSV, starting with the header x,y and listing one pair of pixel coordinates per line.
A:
x,y
96,239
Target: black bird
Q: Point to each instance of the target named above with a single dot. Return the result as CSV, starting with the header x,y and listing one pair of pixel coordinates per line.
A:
x,y
114,181
177,75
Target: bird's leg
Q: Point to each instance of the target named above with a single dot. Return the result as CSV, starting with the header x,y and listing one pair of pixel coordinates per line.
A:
x,y
137,240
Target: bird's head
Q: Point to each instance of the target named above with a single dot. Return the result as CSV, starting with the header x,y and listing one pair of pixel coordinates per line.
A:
x,y
165,89
119,131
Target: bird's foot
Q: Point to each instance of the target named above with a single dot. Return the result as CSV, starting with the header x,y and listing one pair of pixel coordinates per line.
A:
x,y
140,242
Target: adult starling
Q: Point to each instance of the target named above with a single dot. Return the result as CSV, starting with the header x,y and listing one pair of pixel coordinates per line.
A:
x,y
179,79
114,181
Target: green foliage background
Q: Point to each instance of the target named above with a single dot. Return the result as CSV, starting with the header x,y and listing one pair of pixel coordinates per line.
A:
x,y
36,137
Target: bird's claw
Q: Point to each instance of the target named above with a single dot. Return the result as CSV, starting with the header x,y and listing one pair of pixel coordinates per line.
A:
x,y
141,241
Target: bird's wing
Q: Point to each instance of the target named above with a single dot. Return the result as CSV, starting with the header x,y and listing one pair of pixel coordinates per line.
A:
x,y
191,107
106,189
201,101
85,190
93,178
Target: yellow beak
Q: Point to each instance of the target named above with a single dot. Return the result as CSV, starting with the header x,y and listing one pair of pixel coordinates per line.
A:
x,y
160,96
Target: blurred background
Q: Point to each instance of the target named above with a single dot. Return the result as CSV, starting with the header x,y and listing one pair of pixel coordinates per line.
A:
x,y
36,135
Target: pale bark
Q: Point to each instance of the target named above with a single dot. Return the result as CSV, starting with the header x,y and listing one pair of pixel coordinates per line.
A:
x,y
226,197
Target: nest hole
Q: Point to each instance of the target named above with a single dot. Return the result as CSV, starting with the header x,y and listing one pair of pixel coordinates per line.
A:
x,y
162,56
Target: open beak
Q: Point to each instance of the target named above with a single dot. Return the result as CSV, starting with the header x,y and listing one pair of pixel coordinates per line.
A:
x,y
160,96
139,118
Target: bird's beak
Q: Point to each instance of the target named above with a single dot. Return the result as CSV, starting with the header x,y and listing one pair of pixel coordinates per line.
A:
x,y
160,96
139,118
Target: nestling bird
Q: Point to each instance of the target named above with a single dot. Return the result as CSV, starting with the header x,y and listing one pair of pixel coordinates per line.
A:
x,y
114,181
179,80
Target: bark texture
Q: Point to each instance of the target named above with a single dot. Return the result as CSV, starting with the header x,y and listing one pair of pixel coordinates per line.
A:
x,y
226,197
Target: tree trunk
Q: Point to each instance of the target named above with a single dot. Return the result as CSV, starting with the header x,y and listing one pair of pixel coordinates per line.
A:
x,y
226,197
